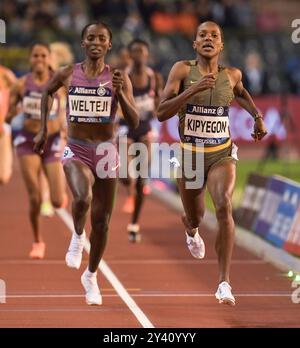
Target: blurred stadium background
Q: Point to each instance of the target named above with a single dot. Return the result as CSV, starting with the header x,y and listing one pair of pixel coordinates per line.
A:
x,y
257,40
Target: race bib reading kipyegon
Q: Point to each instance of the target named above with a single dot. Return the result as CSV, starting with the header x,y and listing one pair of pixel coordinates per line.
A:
x,y
206,121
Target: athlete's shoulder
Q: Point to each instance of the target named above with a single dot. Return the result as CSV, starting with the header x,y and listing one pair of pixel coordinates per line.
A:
x,y
67,70
184,63
234,72
7,75
112,69
181,69
64,73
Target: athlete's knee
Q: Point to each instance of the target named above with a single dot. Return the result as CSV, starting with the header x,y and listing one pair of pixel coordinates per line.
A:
x,y
57,202
82,202
223,207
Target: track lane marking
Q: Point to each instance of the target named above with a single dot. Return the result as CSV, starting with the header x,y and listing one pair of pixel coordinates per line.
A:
x,y
110,276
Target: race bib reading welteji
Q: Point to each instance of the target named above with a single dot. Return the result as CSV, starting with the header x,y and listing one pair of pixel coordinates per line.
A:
x,y
90,104
206,124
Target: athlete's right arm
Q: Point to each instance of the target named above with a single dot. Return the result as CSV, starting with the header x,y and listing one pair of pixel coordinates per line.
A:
x,y
171,101
58,80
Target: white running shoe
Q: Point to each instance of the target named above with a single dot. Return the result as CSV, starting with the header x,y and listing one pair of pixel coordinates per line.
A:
x,y
224,294
89,282
196,245
134,234
74,254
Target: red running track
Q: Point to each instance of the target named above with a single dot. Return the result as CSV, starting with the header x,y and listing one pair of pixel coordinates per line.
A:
x,y
170,288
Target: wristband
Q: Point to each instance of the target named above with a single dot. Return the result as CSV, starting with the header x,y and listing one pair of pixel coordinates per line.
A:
x,y
257,116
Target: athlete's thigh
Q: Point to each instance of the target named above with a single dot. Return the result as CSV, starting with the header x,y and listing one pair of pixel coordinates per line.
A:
x,y
221,181
31,167
193,200
55,178
79,177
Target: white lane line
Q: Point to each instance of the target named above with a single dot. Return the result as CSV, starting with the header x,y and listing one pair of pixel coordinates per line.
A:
x,y
110,276
154,295
179,262
133,261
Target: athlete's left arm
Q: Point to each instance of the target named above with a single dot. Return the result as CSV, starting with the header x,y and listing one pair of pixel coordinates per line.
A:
x,y
123,90
62,113
159,86
245,100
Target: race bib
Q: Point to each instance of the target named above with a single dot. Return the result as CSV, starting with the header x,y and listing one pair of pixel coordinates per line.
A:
x,y
32,106
145,106
90,104
206,124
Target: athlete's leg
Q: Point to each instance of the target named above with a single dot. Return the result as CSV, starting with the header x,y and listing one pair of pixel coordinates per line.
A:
x,y
101,208
140,182
54,172
5,156
129,183
31,168
220,183
193,204
80,180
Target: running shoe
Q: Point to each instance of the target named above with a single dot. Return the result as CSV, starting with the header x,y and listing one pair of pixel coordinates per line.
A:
x,y
134,235
47,209
74,254
128,206
92,292
37,251
196,245
224,294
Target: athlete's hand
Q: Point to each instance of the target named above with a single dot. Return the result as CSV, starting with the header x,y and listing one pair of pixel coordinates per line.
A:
x,y
208,81
39,142
117,81
259,130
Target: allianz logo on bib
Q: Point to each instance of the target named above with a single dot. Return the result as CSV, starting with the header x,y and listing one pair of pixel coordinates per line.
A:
x,y
206,110
100,91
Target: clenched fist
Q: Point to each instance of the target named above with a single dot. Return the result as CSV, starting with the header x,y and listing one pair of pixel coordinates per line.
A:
x,y
117,81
